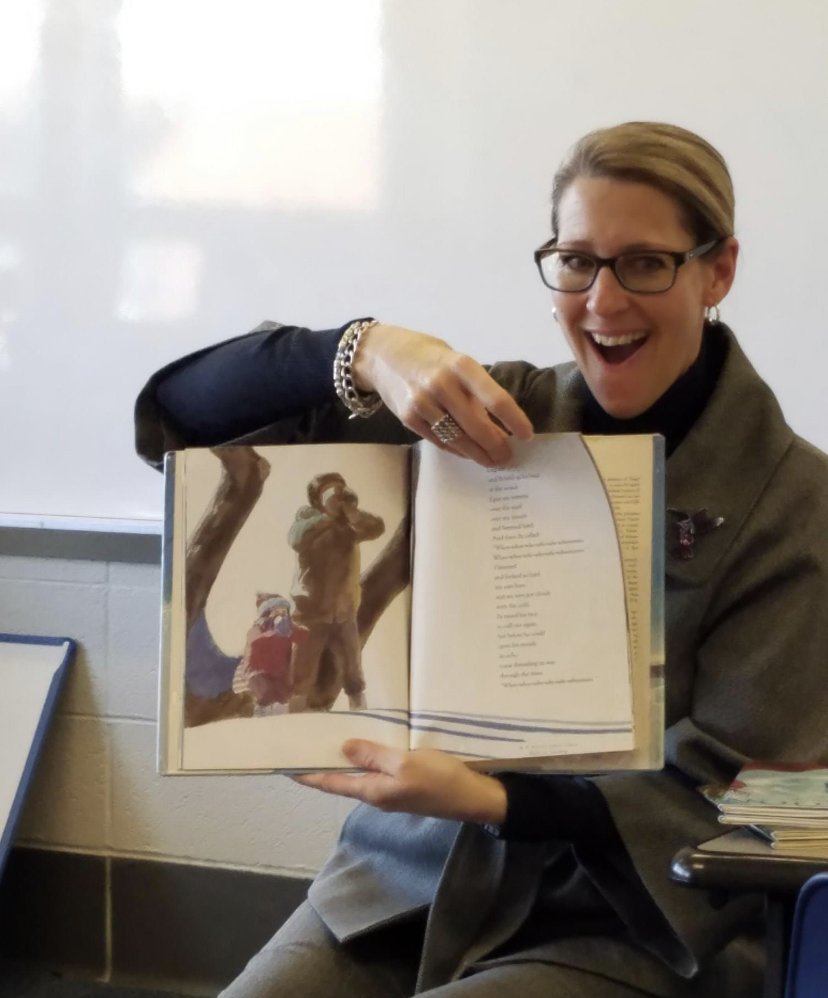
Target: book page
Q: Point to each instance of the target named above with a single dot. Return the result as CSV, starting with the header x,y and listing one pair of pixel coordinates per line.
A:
x,y
287,649
519,631
626,465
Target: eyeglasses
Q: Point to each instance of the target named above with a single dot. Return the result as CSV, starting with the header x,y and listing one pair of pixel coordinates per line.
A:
x,y
645,272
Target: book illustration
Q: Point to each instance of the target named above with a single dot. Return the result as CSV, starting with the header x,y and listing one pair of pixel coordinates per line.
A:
x,y
301,651
778,785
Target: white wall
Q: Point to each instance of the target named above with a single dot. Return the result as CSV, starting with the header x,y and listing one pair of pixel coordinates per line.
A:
x,y
173,171
96,788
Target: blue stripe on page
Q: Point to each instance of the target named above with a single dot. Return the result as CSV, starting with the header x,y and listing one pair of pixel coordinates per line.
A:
x,y
499,725
370,713
511,717
426,716
584,727
467,734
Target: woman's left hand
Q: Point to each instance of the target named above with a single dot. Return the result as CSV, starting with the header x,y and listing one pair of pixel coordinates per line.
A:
x,y
424,782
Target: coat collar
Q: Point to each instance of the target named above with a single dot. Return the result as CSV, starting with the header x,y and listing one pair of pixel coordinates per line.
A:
x,y
722,465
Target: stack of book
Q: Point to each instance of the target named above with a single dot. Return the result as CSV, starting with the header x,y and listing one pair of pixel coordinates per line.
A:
x,y
786,804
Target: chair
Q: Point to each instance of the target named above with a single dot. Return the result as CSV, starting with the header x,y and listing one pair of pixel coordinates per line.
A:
x,y
808,955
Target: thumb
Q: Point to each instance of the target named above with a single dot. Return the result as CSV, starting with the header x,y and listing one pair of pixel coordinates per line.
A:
x,y
372,755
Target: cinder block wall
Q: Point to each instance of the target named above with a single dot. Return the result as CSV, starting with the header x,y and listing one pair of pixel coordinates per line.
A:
x,y
96,790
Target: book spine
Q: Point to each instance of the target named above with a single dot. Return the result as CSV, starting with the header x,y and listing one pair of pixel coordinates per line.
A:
x,y
657,607
165,650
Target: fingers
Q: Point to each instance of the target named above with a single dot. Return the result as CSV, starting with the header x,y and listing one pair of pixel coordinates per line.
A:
x,y
420,782
494,399
421,379
374,786
341,784
373,755
481,440
484,411
480,434
463,446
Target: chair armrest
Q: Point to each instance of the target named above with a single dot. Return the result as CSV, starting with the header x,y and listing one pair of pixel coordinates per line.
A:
x,y
774,875
756,869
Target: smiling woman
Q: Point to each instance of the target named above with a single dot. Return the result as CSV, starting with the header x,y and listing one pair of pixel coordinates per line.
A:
x,y
649,208
636,326
557,885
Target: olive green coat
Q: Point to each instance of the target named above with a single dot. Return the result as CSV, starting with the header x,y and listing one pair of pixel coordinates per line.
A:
x,y
746,676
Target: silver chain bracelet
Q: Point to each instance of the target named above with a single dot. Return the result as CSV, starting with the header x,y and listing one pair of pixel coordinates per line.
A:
x,y
358,403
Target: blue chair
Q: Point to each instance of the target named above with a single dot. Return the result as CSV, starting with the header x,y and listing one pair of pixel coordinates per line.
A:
x,y
808,955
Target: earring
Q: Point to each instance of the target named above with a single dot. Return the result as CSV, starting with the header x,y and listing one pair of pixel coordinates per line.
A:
x,y
554,313
712,314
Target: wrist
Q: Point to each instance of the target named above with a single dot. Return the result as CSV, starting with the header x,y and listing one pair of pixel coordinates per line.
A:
x,y
358,403
363,364
490,801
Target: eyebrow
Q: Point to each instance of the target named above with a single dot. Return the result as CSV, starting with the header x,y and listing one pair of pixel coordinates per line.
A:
x,y
582,244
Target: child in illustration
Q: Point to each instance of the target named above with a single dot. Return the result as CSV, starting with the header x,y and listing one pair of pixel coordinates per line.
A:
x,y
327,592
265,667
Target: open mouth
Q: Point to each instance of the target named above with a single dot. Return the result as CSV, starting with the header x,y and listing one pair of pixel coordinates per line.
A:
x,y
617,349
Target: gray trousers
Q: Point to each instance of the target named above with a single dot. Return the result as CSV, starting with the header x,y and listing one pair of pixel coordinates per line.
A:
x,y
304,960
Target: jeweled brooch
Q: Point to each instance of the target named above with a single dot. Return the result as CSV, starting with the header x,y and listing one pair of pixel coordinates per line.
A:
x,y
688,526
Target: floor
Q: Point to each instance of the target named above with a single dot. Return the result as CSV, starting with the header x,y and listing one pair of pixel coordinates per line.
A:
x,y
19,980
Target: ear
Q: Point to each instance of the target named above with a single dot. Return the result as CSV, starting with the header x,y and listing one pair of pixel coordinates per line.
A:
x,y
722,272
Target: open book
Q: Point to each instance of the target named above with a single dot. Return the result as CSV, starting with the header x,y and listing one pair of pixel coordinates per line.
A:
x,y
314,593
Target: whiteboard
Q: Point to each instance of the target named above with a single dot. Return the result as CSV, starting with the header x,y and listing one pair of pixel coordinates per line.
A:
x,y
32,670
174,171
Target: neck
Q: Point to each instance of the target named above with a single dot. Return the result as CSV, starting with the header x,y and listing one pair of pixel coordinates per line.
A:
x,y
679,407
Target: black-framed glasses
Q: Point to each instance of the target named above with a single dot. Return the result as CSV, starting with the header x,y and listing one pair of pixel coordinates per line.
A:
x,y
645,272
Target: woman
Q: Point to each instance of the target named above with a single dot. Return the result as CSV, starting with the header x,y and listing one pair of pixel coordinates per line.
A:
x,y
557,886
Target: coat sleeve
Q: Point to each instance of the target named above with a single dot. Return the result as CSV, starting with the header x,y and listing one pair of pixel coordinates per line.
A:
x,y
273,385
368,526
309,525
760,691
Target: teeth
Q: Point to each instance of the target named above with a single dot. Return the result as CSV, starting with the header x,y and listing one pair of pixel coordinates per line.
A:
x,y
617,341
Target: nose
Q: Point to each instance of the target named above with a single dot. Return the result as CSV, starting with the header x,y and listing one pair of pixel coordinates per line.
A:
x,y
607,297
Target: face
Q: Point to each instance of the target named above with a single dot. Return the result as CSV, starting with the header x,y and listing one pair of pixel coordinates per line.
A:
x,y
273,618
606,217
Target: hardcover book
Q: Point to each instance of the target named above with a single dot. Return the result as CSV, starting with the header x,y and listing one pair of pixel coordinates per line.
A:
x,y
511,616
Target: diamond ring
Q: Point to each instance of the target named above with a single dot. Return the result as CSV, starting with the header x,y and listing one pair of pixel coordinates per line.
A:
x,y
446,430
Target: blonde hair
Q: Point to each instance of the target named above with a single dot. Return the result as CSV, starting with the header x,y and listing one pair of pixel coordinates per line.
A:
x,y
671,159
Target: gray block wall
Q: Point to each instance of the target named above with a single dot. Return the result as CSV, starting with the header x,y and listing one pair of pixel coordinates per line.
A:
x,y
96,791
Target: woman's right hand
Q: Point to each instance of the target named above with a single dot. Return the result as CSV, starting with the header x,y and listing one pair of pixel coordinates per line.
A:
x,y
421,379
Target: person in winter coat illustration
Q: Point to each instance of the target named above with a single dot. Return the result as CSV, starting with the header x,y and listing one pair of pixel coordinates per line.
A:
x,y
326,535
